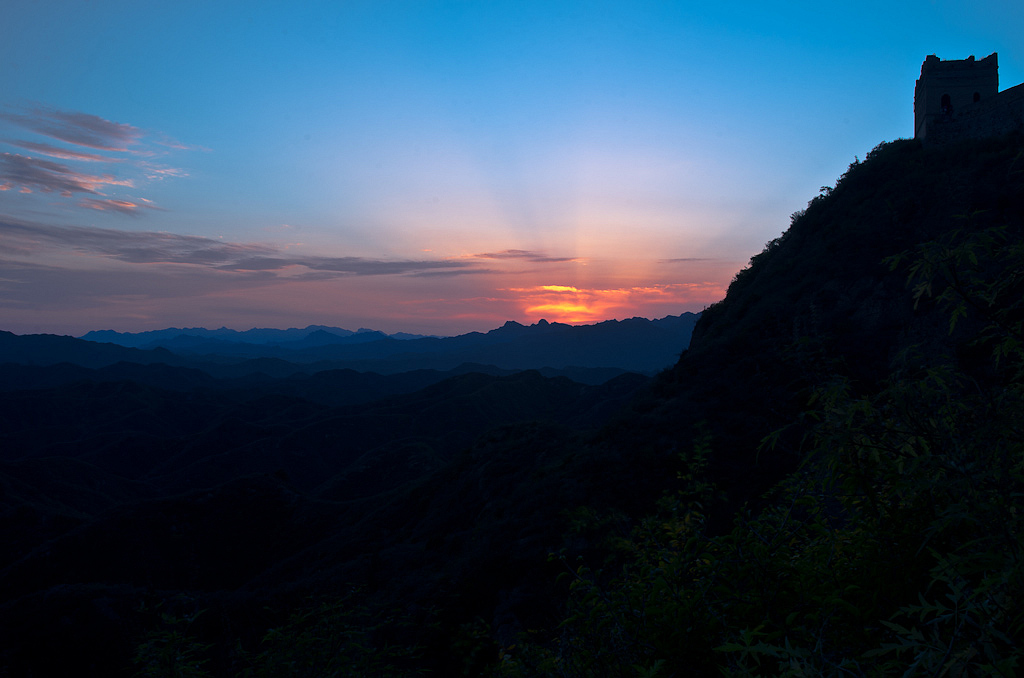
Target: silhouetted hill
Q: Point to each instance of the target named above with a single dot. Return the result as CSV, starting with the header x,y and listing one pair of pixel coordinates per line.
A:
x,y
125,475
139,500
52,349
857,399
823,298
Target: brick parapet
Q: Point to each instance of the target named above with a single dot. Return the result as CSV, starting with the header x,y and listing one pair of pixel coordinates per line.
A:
x,y
998,115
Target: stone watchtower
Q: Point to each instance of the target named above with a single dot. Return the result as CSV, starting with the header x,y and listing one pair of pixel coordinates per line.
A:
x,y
948,88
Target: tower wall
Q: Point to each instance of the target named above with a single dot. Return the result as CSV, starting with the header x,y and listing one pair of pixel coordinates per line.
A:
x,y
948,89
995,116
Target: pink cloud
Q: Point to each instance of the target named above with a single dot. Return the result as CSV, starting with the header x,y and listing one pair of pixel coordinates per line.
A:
x,y
82,129
53,167
62,153
526,255
152,171
168,142
49,176
120,206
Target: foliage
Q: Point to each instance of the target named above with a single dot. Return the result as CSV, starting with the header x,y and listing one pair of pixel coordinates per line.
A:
x,y
980,271
173,650
333,637
326,637
897,548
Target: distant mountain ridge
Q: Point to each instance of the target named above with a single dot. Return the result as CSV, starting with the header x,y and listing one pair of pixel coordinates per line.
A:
x,y
256,335
632,345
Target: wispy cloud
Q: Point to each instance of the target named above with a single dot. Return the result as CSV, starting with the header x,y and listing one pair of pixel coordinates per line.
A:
x,y
49,176
364,266
523,254
148,247
129,246
90,277
349,265
168,142
153,171
121,206
62,153
46,166
81,129
458,271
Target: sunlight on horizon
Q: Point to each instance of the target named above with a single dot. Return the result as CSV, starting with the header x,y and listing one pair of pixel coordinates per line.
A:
x,y
398,164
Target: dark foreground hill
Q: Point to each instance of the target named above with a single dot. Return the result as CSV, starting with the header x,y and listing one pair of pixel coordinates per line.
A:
x,y
119,496
848,422
827,482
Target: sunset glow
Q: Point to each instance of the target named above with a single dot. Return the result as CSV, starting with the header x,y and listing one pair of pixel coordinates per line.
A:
x,y
435,167
572,305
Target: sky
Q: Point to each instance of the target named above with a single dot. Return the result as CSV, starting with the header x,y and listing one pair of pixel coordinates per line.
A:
x,y
435,167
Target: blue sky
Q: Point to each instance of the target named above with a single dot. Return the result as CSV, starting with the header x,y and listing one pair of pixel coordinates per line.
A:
x,y
435,167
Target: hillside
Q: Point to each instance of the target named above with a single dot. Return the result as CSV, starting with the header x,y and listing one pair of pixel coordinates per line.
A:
x,y
824,299
846,431
827,482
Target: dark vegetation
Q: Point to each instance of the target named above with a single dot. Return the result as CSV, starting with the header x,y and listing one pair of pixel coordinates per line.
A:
x,y
828,482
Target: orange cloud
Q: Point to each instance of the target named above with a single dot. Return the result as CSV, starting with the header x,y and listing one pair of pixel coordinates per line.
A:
x,y
574,305
110,205
45,175
565,312
62,153
85,138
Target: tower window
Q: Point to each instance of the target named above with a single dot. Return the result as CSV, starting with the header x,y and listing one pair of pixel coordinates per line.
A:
x,y
947,105
977,97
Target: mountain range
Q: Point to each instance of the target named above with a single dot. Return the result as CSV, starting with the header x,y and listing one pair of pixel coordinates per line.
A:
x,y
826,481
256,335
636,344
